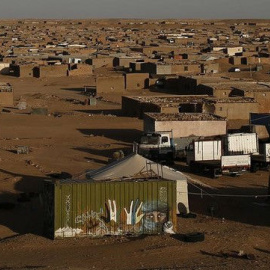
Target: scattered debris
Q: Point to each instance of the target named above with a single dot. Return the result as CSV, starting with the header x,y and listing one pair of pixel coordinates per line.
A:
x,y
238,254
57,114
39,111
232,254
22,149
22,105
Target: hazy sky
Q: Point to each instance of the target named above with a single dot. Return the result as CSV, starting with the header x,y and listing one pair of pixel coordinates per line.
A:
x,y
135,9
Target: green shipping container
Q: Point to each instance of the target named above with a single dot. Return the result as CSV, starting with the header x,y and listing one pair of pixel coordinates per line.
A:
x,y
94,209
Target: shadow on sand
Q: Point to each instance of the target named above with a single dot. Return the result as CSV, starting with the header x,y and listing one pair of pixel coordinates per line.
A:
x,y
21,211
123,135
240,204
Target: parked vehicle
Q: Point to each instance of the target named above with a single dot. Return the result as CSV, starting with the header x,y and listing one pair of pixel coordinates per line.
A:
x,y
162,145
262,159
158,146
241,143
207,156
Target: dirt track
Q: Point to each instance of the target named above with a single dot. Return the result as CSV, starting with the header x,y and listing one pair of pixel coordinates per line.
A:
x,y
74,138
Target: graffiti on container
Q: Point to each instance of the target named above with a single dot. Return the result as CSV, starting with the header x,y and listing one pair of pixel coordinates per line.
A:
x,y
163,194
83,218
133,216
138,217
155,215
67,232
112,211
93,222
68,199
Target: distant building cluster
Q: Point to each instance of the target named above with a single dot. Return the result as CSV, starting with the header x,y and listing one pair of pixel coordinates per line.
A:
x,y
176,57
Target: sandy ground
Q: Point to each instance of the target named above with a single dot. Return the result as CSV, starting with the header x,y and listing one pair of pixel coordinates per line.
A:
x,y
74,138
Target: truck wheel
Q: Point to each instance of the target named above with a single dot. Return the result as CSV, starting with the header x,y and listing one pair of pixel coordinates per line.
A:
x,y
193,167
194,237
215,173
254,167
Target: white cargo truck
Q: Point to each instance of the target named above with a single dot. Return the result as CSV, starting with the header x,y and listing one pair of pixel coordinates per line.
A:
x,y
262,159
204,151
207,156
241,144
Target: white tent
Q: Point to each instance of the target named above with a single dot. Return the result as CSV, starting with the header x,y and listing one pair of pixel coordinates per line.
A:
x,y
135,166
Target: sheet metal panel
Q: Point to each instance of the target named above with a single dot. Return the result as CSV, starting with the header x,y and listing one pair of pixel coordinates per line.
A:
x,y
109,208
235,161
207,150
242,143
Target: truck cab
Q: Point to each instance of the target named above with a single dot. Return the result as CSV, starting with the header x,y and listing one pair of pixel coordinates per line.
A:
x,y
156,146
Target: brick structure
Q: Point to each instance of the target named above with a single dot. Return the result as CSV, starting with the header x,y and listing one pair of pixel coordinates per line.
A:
x,y
110,84
51,71
135,81
137,106
186,124
22,70
101,62
168,68
80,69
231,108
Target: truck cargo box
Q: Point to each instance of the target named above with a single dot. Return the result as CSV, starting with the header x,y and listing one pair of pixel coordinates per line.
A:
x,y
242,144
204,150
265,151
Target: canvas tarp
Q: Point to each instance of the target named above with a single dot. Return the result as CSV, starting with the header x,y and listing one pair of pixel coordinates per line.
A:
x,y
135,166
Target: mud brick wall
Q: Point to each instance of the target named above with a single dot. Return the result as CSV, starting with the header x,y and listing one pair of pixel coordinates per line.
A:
x,y
186,128
110,84
135,81
53,71
100,62
22,71
134,108
81,70
232,111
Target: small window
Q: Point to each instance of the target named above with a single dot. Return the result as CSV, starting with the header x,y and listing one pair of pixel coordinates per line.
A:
x,y
220,108
185,68
164,140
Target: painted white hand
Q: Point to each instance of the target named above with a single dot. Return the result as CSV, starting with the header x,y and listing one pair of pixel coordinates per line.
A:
x,y
112,210
133,216
129,214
